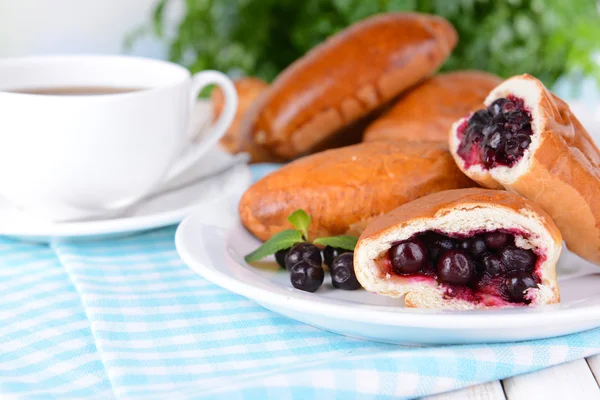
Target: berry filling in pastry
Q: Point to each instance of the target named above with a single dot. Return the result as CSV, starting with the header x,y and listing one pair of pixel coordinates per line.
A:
x,y
469,266
528,141
497,135
462,249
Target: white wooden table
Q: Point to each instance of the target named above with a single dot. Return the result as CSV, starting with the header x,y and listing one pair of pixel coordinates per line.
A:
x,y
577,380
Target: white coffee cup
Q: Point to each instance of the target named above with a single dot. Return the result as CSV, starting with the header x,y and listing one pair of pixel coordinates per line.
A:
x,y
69,157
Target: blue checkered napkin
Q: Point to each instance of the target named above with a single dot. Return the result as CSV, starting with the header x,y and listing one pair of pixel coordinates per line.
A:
x,y
46,347
163,330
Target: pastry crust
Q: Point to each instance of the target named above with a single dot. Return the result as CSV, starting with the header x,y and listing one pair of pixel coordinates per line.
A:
x,y
346,77
427,112
560,170
457,211
248,90
343,189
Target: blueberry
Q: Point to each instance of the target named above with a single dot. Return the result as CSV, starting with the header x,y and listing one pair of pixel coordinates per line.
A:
x,y
496,107
456,267
330,253
303,252
408,257
342,272
496,240
280,257
501,133
480,117
516,283
475,246
514,258
495,140
438,244
307,276
491,264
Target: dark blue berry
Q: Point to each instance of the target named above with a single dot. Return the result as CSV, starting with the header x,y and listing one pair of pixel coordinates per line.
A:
x,y
438,244
455,267
330,253
408,257
516,283
342,272
280,257
491,264
496,240
307,276
475,246
303,252
496,107
514,258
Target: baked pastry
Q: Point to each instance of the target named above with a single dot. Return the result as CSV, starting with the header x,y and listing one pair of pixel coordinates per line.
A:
x,y
343,189
529,142
427,112
345,78
248,90
462,249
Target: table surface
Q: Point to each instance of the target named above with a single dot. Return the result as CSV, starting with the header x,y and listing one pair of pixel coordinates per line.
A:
x,y
575,380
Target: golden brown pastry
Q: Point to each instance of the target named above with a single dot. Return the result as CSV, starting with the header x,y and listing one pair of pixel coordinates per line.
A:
x,y
248,90
343,189
427,112
462,249
347,77
529,142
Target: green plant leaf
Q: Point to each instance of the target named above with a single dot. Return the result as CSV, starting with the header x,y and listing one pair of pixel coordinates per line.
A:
x,y
300,220
280,241
342,242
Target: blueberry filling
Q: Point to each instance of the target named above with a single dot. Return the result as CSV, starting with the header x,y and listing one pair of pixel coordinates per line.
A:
x,y
487,263
497,135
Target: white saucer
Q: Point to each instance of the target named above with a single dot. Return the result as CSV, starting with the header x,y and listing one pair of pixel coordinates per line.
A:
x,y
216,252
160,210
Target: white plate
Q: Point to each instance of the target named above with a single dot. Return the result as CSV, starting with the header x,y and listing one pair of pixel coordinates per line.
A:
x,y
160,210
216,252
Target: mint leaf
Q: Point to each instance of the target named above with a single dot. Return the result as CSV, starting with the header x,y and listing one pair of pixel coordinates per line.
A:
x,y
300,220
279,241
342,242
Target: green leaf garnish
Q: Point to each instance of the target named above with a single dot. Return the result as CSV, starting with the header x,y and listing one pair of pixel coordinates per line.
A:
x,y
343,242
300,220
280,241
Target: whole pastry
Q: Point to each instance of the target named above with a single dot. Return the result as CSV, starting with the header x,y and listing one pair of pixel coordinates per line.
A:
x,y
343,189
528,141
427,112
345,78
248,90
462,249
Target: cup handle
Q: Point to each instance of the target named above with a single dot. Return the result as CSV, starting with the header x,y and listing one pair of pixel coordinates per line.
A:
x,y
196,151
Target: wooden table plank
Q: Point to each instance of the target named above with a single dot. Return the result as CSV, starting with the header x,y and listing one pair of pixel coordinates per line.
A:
x,y
573,380
594,363
486,391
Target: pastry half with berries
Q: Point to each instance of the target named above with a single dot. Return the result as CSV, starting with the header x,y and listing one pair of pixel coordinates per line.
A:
x,y
462,249
528,141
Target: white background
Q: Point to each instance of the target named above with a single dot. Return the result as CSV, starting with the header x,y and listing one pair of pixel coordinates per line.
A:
x,y
33,27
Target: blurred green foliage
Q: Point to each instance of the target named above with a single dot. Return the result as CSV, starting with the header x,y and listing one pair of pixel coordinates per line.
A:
x,y
545,38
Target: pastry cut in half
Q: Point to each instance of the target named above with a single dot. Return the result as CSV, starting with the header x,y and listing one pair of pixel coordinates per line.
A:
x,y
528,141
462,249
